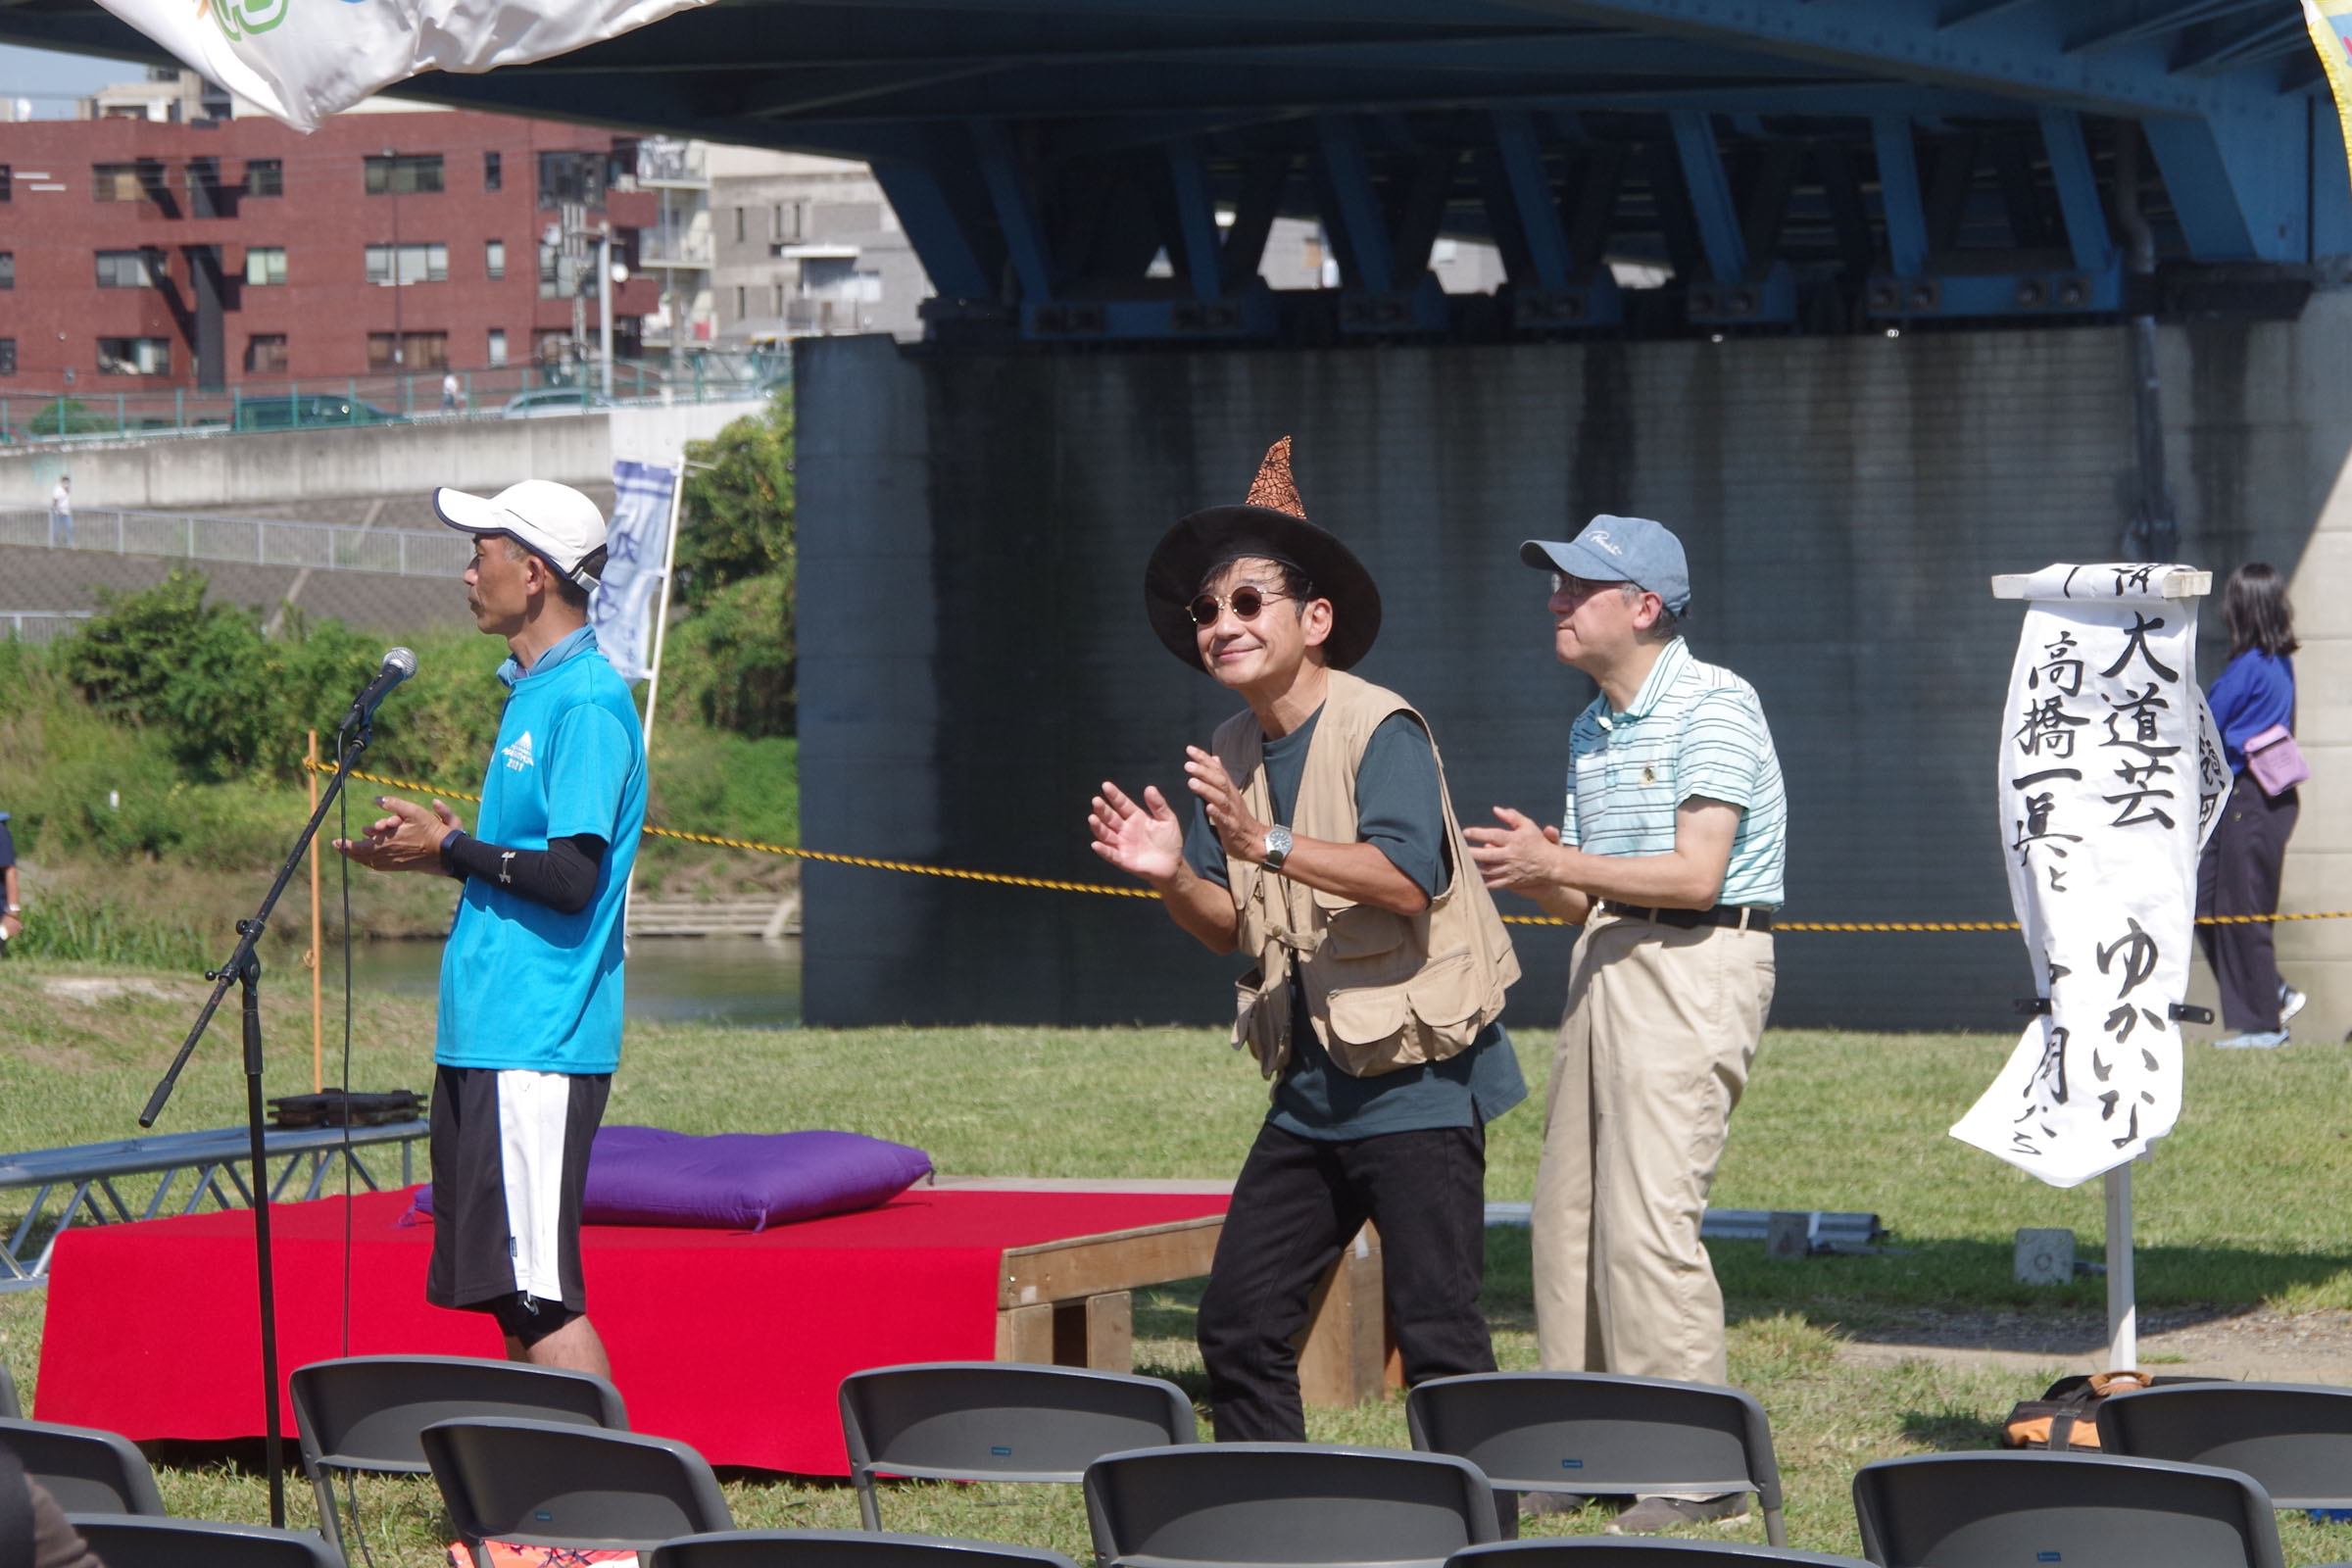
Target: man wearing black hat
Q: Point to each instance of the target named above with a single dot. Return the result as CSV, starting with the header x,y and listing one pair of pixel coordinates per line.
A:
x,y
1669,857
1326,849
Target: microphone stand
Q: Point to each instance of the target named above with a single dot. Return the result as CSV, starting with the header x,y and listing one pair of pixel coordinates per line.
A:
x,y
244,969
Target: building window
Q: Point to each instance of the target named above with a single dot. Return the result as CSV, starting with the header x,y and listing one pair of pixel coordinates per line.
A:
x,y
135,356
418,350
419,264
742,309
494,174
573,176
5,186
403,174
264,265
494,257
126,182
8,356
266,354
498,346
739,226
129,269
8,269
264,176
777,309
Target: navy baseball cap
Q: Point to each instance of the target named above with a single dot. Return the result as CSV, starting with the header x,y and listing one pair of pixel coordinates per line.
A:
x,y
1631,550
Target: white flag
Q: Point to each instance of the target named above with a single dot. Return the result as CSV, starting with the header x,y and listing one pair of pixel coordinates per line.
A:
x,y
304,59
2110,776
637,548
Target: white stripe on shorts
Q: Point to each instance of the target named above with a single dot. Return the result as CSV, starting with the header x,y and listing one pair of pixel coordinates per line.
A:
x,y
533,1111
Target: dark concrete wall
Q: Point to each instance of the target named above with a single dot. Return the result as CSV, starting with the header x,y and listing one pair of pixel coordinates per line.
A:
x,y
974,655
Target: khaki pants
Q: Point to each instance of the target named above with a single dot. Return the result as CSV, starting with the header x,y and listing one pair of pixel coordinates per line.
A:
x,y
1661,1027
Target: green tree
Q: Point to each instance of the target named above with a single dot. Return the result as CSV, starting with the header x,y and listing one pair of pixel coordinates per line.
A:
x,y
227,700
731,651
737,520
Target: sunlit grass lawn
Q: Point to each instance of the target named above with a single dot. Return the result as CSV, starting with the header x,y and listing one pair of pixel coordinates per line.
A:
x,y
2240,1205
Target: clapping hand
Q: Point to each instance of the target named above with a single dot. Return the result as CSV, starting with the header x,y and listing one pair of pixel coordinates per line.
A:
x,y
1144,841
407,840
1243,836
1519,856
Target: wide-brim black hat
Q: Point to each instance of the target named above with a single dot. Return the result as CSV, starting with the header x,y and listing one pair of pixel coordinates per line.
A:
x,y
1271,524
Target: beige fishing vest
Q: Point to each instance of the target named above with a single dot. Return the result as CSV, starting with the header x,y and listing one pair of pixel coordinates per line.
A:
x,y
1386,991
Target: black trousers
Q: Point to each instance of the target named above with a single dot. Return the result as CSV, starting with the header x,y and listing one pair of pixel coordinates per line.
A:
x,y
1297,1202
2239,876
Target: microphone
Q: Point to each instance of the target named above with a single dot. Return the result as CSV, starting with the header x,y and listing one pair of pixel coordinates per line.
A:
x,y
399,664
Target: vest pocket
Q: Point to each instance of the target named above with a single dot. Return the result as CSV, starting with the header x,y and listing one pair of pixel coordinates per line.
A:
x,y
1353,930
1428,1017
1262,1019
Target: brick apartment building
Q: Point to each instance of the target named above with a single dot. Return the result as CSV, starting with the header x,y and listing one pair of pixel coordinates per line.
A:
x,y
143,254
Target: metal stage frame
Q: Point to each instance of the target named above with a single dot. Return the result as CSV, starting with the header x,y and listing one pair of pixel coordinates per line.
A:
x,y
89,1172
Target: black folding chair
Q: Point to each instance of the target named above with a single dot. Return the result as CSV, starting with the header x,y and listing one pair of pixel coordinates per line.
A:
x,y
999,1421
557,1484
364,1412
1600,1435
2294,1438
2004,1511
86,1470
10,1409
1284,1502
844,1548
121,1540
1638,1551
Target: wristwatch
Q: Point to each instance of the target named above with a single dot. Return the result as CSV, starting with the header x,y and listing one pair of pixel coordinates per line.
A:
x,y
1278,847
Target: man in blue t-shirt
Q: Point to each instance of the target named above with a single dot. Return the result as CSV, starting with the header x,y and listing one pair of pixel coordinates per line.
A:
x,y
530,1028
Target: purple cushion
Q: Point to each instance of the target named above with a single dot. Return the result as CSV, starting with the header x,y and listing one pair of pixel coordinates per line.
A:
x,y
736,1181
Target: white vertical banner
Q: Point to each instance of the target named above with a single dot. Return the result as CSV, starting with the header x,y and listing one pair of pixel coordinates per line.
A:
x,y
636,566
2111,775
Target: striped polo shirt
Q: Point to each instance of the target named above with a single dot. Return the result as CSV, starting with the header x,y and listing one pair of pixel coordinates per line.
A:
x,y
1693,730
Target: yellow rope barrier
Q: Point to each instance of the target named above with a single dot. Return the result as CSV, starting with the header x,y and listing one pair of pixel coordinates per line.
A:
x,y
1057,885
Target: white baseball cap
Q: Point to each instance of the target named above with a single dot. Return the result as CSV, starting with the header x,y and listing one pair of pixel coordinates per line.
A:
x,y
552,521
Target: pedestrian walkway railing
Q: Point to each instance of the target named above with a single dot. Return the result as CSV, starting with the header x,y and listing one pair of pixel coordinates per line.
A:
x,y
88,414
255,541
39,625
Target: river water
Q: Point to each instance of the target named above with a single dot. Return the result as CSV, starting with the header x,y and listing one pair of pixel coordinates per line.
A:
x,y
740,981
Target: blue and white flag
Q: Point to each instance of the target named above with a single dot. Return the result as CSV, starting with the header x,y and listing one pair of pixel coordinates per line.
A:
x,y
636,566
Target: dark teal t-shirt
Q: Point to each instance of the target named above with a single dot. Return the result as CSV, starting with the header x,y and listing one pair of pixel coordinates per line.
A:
x,y
1399,808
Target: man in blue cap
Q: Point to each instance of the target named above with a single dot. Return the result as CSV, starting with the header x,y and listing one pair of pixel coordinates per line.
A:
x,y
1669,857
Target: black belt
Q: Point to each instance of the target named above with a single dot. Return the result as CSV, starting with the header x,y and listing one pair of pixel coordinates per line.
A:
x,y
1741,916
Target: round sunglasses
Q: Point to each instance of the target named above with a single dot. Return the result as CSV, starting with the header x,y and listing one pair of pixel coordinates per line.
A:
x,y
1245,602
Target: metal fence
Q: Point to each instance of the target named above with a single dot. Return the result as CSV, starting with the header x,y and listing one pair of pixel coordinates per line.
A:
x,y
39,625
536,389
259,541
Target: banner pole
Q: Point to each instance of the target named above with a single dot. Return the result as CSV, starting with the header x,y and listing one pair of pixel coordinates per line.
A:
x,y
316,957
669,556
2122,1310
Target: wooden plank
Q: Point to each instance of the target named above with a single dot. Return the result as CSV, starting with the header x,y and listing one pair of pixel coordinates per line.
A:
x,y
2179,584
1110,1332
1026,1334
1342,1354
1119,1261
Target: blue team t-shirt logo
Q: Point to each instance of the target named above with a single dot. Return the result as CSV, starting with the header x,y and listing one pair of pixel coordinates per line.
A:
x,y
518,755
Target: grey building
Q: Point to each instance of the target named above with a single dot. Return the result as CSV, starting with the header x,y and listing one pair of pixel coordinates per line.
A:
x,y
805,245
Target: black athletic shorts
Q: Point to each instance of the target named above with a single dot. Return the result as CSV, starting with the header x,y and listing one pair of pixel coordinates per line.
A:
x,y
509,1156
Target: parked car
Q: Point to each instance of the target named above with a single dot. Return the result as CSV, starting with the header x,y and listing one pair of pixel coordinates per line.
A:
x,y
550,401
306,410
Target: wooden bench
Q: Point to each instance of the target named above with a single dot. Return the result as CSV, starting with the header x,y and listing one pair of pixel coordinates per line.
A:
x,y
1072,1302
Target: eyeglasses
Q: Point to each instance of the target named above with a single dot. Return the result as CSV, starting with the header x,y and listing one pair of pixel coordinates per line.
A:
x,y
1245,602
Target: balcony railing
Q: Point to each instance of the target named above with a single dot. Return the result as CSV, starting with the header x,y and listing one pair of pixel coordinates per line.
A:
x,y
673,247
663,162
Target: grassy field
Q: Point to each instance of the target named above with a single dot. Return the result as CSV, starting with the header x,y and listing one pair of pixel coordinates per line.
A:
x,y
2238,1207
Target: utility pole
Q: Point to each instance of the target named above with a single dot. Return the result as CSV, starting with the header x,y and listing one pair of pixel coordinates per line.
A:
x,y
604,306
573,258
392,185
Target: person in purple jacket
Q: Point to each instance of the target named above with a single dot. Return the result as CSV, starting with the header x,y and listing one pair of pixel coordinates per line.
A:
x,y
2239,871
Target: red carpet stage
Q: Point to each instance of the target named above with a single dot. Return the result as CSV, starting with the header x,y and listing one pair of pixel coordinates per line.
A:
x,y
732,1341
